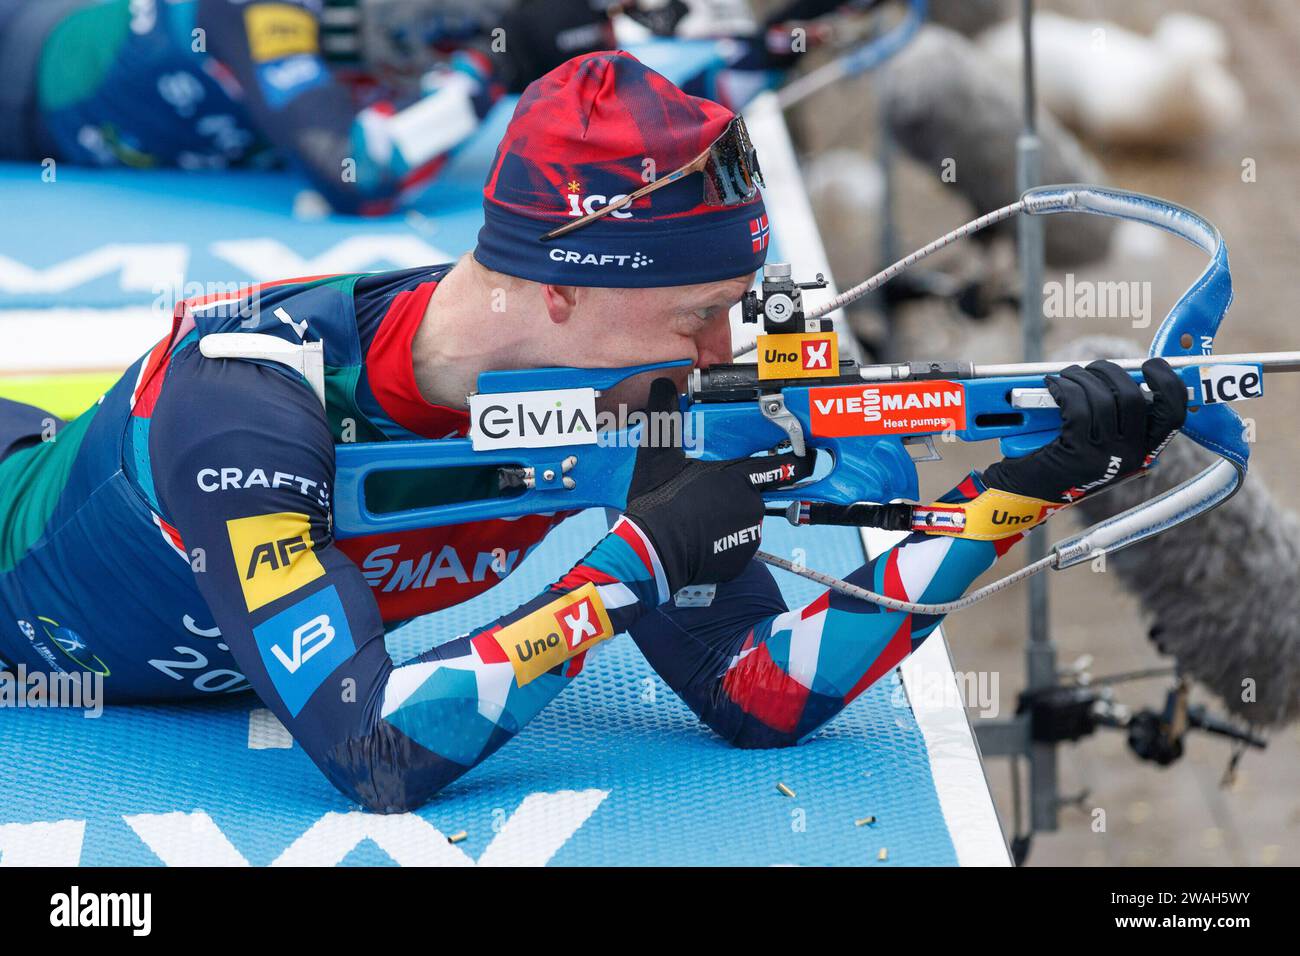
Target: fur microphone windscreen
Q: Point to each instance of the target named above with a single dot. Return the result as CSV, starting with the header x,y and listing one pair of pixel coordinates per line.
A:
x,y
968,17
952,110
1222,592
1167,90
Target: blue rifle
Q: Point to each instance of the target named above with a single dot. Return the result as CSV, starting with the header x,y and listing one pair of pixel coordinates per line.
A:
x,y
527,423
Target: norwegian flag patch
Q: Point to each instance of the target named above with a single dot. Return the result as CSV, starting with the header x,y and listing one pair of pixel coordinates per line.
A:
x,y
758,233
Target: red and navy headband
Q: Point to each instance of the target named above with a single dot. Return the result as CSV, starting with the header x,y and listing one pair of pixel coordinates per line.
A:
x,y
592,130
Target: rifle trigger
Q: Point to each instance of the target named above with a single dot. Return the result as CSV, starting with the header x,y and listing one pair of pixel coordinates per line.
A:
x,y
773,409
1042,398
1032,398
932,453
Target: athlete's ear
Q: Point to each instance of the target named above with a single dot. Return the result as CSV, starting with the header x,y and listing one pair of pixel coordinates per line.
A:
x,y
560,301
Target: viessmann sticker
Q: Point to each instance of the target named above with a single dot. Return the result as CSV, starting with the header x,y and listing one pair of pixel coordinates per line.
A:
x,y
896,408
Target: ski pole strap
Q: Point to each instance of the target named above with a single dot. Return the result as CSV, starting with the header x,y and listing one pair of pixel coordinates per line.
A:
x,y
860,514
991,516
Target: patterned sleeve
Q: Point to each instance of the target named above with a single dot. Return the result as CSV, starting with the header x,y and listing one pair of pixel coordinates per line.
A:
x,y
762,675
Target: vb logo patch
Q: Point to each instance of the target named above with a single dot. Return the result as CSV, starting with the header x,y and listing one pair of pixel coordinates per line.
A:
x,y
554,633
273,555
798,355
303,645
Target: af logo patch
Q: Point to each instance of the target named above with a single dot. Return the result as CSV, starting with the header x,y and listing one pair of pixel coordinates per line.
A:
x,y
798,355
273,555
554,633
277,30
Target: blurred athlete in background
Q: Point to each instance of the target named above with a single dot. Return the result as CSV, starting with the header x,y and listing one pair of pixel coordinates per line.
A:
x,y
367,97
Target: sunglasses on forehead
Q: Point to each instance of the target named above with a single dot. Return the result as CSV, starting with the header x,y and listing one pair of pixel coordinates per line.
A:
x,y
729,166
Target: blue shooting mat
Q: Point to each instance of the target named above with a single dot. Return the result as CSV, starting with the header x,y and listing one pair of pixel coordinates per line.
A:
x,y
615,771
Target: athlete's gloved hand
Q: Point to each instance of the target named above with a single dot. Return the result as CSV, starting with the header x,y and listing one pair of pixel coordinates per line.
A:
x,y
1108,431
704,518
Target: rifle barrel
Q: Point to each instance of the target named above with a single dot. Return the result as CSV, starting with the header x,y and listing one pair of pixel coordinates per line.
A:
x,y
1271,361
740,382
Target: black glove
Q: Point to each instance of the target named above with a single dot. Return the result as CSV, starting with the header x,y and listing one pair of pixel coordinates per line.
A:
x,y
704,518
1108,430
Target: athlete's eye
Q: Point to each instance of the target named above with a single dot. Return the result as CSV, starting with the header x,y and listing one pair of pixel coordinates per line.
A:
x,y
706,313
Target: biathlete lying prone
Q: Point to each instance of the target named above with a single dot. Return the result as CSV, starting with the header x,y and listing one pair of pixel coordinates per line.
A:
x,y
181,529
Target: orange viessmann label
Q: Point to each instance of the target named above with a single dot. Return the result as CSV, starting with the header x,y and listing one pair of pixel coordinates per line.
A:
x,y
895,408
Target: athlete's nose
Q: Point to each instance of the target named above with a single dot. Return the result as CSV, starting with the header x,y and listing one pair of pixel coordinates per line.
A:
x,y
713,345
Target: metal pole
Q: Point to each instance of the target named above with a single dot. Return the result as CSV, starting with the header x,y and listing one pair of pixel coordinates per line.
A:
x,y
1040,653
886,150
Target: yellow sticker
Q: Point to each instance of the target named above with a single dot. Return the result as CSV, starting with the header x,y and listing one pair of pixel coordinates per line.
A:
x,y
273,555
277,30
798,355
998,514
555,632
